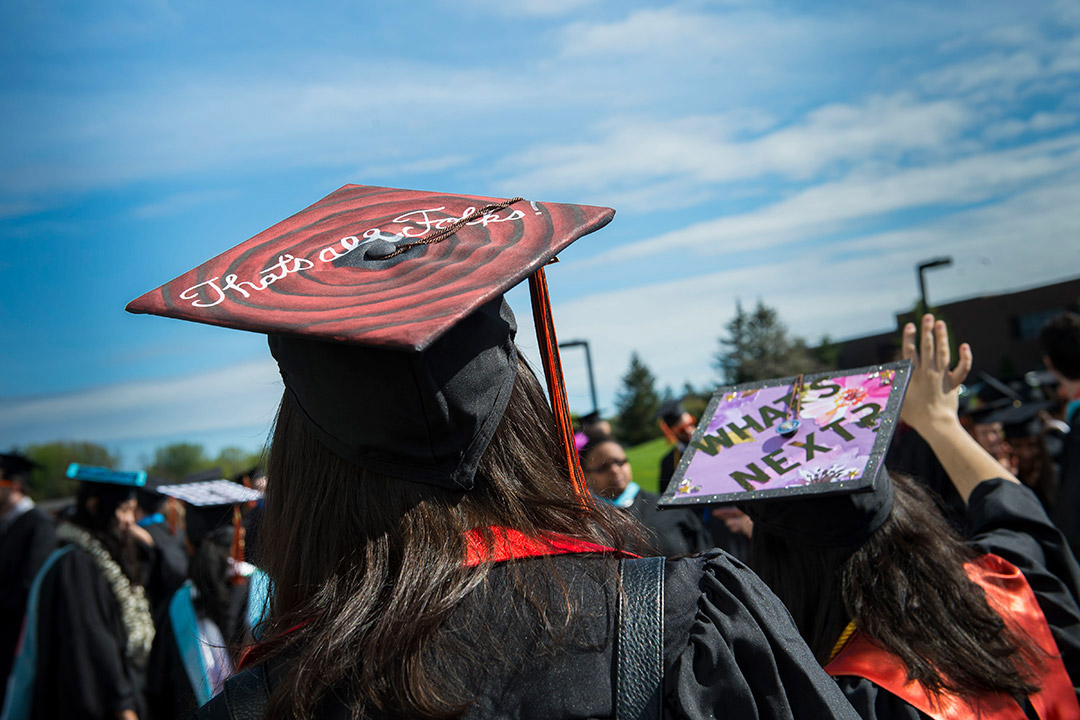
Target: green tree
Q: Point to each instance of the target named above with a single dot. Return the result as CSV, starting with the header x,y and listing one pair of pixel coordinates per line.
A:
x,y
695,400
758,347
636,404
173,462
234,460
50,480
828,352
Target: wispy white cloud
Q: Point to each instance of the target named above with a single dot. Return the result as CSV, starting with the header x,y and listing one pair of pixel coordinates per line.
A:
x,y
535,8
673,31
725,148
828,207
181,202
226,399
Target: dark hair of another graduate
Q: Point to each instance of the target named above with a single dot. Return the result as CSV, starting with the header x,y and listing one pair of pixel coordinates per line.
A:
x,y
1060,340
374,565
907,590
594,443
99,519
209,571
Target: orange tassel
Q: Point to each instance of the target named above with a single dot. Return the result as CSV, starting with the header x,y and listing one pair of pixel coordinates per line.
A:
x,y
237,552
172,515
549,350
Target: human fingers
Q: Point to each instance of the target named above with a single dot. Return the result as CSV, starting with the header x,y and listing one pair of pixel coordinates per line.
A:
x,y
926,347
907,343
941,340
963,367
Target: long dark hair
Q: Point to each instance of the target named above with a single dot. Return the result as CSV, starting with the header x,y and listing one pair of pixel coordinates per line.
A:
x,y
210,575
373,566
907,590
99,519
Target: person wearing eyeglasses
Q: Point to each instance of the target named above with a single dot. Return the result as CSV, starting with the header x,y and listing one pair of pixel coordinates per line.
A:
x,y
610,478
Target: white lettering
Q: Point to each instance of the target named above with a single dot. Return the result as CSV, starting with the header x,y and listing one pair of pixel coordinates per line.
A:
x,y
413,224
191,293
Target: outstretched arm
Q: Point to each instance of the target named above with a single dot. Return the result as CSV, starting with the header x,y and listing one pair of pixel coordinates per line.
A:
x,y
931,407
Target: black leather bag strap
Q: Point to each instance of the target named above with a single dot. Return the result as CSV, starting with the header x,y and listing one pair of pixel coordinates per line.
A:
x,y
247,693
639,652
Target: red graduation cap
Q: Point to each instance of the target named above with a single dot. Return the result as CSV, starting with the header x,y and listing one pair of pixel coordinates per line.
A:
x,y
323,272
389,269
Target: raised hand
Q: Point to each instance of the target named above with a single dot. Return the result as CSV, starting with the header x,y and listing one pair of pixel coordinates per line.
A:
x,y
933,390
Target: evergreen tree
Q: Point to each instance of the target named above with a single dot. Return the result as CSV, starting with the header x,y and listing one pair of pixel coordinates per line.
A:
x,y
50,480
636,404
757,347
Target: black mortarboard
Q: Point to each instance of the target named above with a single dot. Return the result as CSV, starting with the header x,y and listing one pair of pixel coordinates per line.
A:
x,y
210,504
670,413
14,465
1020,419
148,496
819,481
828,520
591,418
384,309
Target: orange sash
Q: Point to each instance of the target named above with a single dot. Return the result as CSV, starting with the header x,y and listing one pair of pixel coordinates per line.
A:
x,y
1012,598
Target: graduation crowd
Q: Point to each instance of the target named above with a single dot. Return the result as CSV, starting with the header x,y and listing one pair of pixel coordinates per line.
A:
x,y
132,600
145,614
434,541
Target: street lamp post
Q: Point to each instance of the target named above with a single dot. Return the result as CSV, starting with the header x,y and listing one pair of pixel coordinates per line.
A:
x,y
588,365
922,268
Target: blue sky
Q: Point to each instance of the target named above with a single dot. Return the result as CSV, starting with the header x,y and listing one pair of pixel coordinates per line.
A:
x,y
807,154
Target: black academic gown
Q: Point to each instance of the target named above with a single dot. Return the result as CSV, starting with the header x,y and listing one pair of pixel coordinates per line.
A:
x,y
1067,507
169,692
668,465
168,568
677,531
911,455
1005,519
82,669
24,545
730,650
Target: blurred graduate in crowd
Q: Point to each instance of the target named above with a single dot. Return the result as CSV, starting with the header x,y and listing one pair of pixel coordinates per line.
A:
x,y
88,626
610,478
167,558
678,427
912,620
1060,341
214,613
27,536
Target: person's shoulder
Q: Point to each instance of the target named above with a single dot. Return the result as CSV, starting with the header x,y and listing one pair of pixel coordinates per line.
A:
x,y
33,520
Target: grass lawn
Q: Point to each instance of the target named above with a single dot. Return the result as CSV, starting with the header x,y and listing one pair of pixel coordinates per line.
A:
x,y
645,461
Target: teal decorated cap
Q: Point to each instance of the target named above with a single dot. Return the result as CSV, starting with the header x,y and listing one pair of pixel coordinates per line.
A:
x,y
94,474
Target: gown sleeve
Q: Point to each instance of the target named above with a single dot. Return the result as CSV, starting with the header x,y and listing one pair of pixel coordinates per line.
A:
x,y
873,703
1007,519
736,651
87,671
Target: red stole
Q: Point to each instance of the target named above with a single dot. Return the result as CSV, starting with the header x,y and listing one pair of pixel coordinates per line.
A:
x,y
513,544
509,544
1012,598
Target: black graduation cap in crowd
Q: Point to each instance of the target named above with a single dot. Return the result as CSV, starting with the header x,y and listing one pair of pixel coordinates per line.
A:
x,y
15,465
1020,419
385,313
211,504
591,418
822,483
670,413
